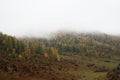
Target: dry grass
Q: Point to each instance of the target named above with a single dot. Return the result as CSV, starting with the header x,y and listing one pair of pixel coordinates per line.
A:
x,y
71,67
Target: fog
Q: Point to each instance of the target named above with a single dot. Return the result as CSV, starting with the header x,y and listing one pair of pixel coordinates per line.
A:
x,y
38,17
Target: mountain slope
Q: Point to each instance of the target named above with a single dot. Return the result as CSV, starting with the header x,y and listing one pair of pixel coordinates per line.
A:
x,y
86,43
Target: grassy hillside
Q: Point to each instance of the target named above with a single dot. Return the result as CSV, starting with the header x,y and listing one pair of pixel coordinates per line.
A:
x,y
64,56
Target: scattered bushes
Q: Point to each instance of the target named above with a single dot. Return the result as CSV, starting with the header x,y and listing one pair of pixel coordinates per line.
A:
x,y
114,74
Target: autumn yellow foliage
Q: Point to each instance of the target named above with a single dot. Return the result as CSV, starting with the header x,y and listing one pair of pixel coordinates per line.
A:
x,y
46,55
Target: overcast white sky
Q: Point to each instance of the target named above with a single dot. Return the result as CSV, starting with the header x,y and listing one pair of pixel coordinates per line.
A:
x,y
32,17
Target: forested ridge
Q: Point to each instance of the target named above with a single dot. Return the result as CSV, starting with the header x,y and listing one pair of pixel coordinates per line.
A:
x,y
86,43
80,43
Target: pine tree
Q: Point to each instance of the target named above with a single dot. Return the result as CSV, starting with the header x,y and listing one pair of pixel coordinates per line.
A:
x,y
10,44
39,50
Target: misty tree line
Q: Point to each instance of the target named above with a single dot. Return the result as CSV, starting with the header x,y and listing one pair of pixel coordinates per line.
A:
x,y
87,44
25,47
11,44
